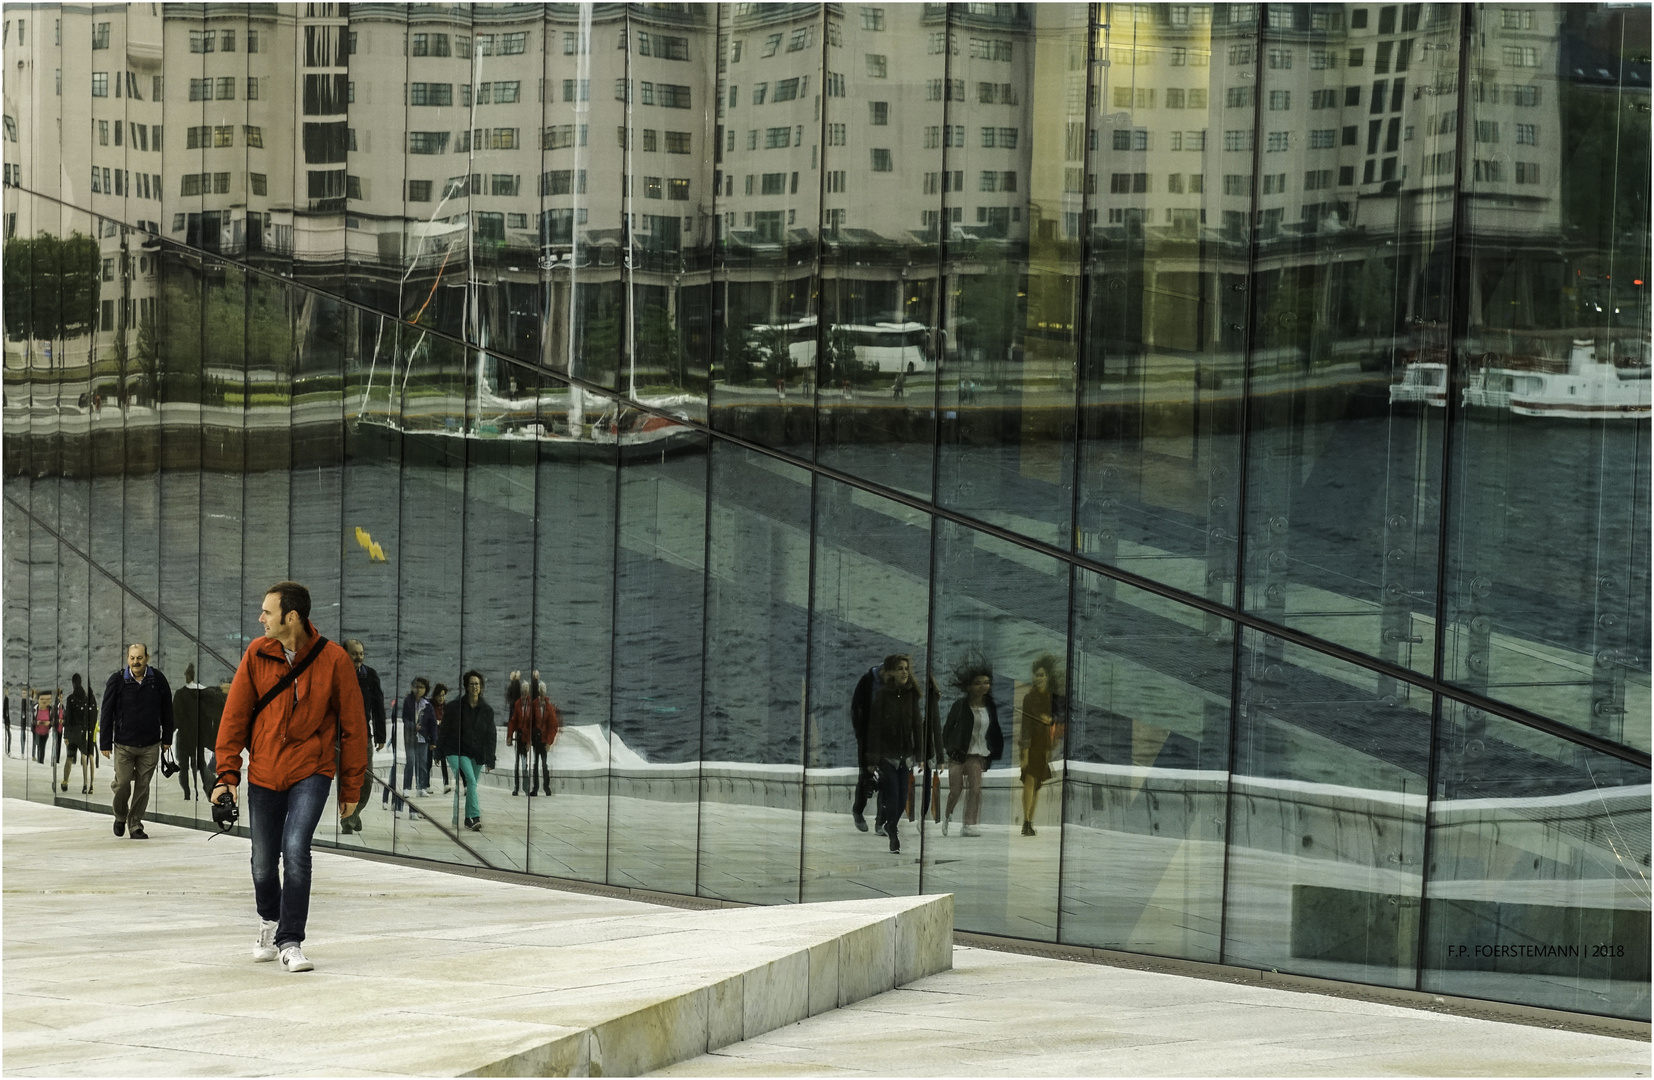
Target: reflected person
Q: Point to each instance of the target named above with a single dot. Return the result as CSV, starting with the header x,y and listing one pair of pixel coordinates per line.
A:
x,y
190,747
861,703
411,719
135,723
80,721
439,706
468,740
972,740
547,723
373,700
893,741
1040,731
42,725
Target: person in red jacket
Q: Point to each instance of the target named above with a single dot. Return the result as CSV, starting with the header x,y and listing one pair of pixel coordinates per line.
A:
x,y
534,724
292,744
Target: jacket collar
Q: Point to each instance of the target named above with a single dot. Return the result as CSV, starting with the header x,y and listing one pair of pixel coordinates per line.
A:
x,y
270,647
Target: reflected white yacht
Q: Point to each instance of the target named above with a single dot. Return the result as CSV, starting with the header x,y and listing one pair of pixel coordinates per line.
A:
x,y
1425,381
1587,389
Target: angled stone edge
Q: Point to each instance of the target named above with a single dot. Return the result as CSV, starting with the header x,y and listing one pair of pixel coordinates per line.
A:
x,y
897,941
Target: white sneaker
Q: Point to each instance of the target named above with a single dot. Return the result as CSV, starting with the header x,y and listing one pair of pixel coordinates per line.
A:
x,y
266,947
969,830
945,823
293,959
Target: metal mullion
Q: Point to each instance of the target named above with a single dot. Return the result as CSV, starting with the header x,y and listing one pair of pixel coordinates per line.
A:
x,y
1455,332
1244,484
1083,300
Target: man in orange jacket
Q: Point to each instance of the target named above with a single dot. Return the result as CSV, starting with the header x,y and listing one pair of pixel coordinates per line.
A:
x,y
293,742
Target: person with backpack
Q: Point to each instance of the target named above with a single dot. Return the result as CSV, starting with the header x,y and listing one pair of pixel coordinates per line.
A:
x,y
80,720
295,707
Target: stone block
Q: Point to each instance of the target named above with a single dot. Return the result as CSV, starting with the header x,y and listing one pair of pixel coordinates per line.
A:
x,y
924,939
823,977
651,1036
867,960
777,994
724,1018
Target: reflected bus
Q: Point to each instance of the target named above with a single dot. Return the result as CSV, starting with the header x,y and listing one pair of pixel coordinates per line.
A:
x,y
883,347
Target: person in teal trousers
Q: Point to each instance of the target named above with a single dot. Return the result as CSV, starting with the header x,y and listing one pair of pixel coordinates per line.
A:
x,y
467,743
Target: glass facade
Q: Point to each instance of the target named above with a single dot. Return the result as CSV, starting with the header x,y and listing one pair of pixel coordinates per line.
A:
x,y
1257,394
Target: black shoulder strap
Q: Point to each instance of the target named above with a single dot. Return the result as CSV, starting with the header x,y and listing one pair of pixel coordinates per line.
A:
x,y
288,679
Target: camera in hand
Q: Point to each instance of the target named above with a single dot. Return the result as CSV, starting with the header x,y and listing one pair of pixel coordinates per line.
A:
x,y
169,767
225,813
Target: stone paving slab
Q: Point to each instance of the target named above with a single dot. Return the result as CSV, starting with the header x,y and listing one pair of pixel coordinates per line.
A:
x,y
1003,1014
134,958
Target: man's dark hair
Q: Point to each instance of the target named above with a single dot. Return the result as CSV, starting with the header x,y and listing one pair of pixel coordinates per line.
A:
x,y
75,679
465,680
294,597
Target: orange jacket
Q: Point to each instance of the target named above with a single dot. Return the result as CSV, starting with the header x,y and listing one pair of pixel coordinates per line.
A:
x,y
533,722
316,722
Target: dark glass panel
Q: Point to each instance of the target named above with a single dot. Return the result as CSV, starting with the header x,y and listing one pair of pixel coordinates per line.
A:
x,y
1343,503
655,757
875,345
1013,271
1547,584
1326,819
757,603
1168,166
765,271
1538,876
1000,607
871,601
1147,774
572,642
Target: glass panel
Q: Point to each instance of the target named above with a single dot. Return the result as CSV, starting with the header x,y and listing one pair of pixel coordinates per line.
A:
x,y
321,99
1013,275
505,280
1166,187
230,321
394,192
429,650
1147,774
767,261
267,508
672,151
1538,887
1548,586
876,345
1343,503
371,495
1000,608
655,742
572,643
1326,819
496,619
757,603
871,602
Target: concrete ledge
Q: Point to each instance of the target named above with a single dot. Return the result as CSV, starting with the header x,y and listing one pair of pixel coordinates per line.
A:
x,y
418,971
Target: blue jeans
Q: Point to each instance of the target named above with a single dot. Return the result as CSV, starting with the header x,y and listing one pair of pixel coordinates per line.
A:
x,y
467,770
282,823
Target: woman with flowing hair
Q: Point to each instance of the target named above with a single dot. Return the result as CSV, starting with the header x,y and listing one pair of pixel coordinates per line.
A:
x,y
971,739
1040,726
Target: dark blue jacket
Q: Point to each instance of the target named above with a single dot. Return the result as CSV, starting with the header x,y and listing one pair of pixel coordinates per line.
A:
x,y
135,713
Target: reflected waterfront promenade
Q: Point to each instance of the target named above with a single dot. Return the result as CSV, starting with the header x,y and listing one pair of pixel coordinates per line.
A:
x,y
1281,371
